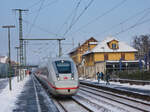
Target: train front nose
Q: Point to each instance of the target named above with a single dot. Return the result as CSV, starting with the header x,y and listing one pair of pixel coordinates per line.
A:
x,y
66,81
66,87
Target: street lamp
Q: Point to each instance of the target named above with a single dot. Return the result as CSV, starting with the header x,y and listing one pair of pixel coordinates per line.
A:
x,y
9,56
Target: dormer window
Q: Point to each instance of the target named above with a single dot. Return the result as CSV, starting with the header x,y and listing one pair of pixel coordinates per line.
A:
x,y
114,46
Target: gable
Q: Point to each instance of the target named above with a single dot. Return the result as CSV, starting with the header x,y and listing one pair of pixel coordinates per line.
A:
x,y
113,44
84,46
106,46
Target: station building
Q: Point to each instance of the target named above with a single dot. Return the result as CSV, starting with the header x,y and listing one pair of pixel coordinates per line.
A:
x,y
108,55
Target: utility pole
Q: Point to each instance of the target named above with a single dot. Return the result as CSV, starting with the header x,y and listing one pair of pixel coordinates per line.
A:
x,y
17,63
17,53
9,54
60,48
20,34
25,43
21,41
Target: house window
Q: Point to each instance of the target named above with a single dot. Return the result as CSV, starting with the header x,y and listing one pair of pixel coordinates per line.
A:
x,y
123,56
114,46
105,56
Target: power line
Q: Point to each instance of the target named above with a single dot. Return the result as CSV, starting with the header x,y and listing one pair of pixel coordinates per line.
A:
x,y
126,20
36,3
145,15
102,15
70,15
36,16
76,8
133,26
40,28
45,6
86,7
48,4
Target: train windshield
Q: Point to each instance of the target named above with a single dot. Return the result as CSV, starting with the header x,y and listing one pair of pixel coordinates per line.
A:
x,y
63,66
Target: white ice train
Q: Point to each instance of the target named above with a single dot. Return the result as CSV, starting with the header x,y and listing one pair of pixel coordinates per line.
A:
x,y
60,76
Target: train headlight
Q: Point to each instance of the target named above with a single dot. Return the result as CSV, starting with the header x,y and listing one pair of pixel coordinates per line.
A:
x,y
57,75
72,76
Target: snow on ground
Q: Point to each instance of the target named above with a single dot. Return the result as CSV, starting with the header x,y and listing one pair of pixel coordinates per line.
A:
x,y
8,98
147,87
2,79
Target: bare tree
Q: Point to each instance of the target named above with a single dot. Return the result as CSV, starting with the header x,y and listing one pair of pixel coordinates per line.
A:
x,y
142,44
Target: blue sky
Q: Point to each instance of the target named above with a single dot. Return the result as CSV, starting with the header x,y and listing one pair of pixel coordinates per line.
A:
x,y
55,16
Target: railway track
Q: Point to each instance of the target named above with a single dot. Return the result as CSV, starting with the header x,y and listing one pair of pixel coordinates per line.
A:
x,y
67,104
132,82
70,105
133,94
111,101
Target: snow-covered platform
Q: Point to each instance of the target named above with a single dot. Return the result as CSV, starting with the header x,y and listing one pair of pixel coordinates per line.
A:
x,y
3,84
26,96
141,89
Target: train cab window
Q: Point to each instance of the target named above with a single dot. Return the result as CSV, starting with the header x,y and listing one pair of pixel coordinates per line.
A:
x,y
63,66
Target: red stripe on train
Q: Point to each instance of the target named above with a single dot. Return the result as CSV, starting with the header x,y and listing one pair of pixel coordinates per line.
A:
x,y
57,87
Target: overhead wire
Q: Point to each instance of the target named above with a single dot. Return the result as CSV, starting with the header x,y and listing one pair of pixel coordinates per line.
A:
x,y
86,7
102,15
34,21
145,15
133,26
47,47
74,11
40,28
76,8
136,24
45,6
124,21
34,4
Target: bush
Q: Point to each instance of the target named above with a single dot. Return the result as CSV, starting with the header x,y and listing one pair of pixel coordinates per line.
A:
x,y
133,75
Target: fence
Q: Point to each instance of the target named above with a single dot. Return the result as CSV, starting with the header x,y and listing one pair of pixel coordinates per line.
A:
x,y
3,70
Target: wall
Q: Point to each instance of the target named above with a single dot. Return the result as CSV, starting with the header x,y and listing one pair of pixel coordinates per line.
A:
x,y
89,60
98,57
114,56
130,56
90,71
92,46
100,67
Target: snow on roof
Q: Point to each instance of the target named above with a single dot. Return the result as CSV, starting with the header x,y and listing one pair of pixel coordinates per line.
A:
x,y
74,49
93,43
103,47
108,39
116,61
3,59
